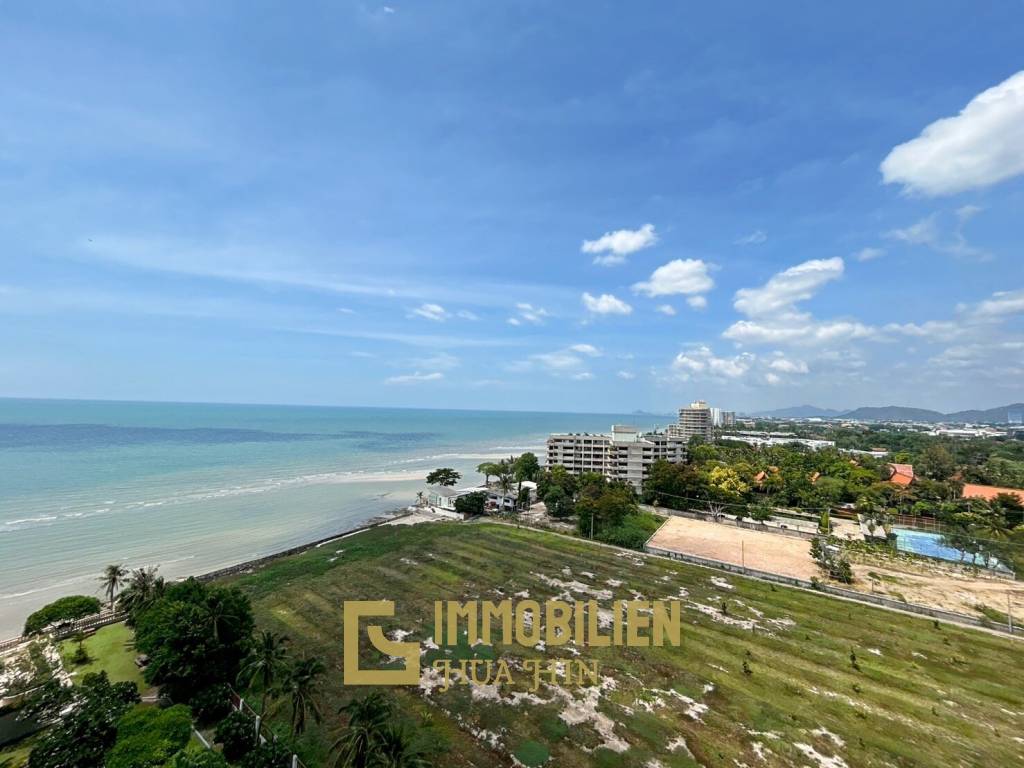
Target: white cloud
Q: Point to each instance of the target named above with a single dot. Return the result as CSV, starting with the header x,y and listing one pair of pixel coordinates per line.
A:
x,y
586,349
930,329
434,312
465,314
415,378
981,146
606,304
583,376
666,309
927,232
442,361
697,302
558,361
680,276
785,365
627,375
754,238
772,378
613,247
527,313
1001,303
774,317
701,361
868,254
341,310
784,289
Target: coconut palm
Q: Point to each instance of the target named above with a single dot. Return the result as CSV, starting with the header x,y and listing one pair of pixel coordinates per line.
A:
x,y
265,664
367,719
396,748
113,578
144,587
302,686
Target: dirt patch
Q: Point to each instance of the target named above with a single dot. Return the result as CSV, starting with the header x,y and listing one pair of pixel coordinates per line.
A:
x,y
738,546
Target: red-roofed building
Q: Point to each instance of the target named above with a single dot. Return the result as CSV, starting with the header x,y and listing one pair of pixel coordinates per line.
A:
x,y
902,474
989,492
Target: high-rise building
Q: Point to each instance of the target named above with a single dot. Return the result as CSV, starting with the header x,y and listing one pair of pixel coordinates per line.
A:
x,y
626,454
694,419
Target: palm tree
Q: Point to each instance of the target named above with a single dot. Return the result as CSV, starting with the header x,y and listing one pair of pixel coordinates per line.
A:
x,y
367,719
112,579
265,664
302,686
397,749
144,586
219,615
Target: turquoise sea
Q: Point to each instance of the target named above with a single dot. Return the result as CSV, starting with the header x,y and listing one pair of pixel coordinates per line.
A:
x,y
195,487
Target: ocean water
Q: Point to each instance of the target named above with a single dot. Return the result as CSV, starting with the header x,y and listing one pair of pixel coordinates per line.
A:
x,y
195,487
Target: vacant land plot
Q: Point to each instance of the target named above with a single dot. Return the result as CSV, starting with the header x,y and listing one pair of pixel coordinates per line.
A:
x,y
770,552
765,676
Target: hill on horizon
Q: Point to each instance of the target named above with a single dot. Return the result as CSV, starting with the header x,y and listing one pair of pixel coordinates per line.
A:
x,y
999,415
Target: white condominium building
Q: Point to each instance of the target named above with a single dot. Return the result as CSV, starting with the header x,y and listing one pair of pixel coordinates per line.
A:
x,y
626,454
694,419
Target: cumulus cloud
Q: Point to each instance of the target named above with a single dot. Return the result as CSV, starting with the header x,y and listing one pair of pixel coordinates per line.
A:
x,y
785,365
928,330
981,146
774,317
415,378
754,238
697,302
582,376
666,309
627,375
701,361
786,288
527,313
613,247
606,304
1001,304
678,277
586,349
928,232
434,312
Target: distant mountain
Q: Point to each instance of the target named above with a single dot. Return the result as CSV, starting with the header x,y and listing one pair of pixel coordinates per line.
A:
x,y
800,412
893,413
1001,415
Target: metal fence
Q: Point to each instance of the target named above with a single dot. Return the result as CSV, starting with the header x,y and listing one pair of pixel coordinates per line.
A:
x,y
263,734
97,620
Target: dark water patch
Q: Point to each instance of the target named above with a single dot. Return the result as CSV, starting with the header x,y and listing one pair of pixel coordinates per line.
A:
x,y
70,437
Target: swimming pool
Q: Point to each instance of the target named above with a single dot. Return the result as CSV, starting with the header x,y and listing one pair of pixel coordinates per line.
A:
x,y
930,545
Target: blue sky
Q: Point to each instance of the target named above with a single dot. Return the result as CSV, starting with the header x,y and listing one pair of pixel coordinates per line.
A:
x,y
551,206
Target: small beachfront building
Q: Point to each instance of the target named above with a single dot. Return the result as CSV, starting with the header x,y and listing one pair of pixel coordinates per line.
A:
x,y
444,498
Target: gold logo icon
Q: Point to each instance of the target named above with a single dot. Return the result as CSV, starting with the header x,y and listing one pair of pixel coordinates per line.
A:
x,y
409,652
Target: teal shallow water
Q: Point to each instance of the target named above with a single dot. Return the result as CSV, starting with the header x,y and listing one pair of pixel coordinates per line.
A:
x,y
193,487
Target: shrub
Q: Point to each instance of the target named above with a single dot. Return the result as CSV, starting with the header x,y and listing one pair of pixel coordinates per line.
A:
x,y
211,705
237,733
632,532
65,609
198,758
273,754
150,737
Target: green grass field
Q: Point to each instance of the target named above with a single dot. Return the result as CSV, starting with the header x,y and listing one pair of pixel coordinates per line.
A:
x,y
917,694
111,648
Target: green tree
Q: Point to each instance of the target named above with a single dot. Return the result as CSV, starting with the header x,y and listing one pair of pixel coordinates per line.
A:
x,y
196,636
148,737
63,609
272,754
144,587
367,718
265,664
445,477
302,687
936,462
526,467
82,736
471,504
113,577
236,733
558,502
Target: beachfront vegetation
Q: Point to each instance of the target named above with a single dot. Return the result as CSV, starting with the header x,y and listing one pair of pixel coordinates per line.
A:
x,y
111,649
196,636
87,725
471,504
67,608
113,578
265,665
946,687
445,477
